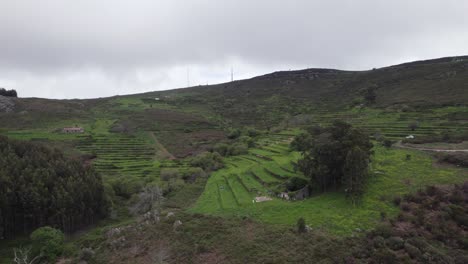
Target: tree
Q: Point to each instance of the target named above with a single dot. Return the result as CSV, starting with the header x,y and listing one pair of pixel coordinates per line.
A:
x,y
208,161
23,256
301,225
47,242
325,156
387,143
301,142
413,125
8,93
370,95
355,173
234,133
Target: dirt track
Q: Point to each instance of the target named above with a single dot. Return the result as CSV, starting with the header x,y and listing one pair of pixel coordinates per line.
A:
x,y
400,145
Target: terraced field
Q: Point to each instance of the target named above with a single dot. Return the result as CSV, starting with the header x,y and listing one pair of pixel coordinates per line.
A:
x,y
119,154
395,125
248,176
231,191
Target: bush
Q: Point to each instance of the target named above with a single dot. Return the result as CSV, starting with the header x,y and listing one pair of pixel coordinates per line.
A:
x,y
191,175
87,254
208,161
295,183
247,140
8,93
301,226
387,143
413,125
385,256
168,174
222,149
234,133
458,159
47,242
384,230
252,132
238,149
395,243
413,251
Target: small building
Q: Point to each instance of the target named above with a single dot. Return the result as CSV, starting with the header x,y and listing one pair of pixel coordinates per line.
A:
x,y
410,137
73,130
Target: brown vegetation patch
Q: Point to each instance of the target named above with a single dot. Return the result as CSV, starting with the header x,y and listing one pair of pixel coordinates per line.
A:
x,y
182,144
210,258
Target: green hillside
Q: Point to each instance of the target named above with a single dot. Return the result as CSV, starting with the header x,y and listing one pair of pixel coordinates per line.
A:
x,y
154,139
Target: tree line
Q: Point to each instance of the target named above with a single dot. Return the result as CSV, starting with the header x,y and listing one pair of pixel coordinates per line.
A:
x,y
335,158
40,186
9,93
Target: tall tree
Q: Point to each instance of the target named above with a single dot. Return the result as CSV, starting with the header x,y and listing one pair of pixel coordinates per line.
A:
x,y
355,173
325,156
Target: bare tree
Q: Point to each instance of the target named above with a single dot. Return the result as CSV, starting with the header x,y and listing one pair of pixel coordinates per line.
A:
x,y
150,198
22,256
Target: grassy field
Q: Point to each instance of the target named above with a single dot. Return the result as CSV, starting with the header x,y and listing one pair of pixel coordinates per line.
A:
x,y
230,191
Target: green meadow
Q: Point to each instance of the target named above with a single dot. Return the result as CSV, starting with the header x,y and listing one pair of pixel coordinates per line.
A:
x,y
231,191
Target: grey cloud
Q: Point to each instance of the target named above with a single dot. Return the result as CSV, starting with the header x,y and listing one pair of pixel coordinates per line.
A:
x,y
109,41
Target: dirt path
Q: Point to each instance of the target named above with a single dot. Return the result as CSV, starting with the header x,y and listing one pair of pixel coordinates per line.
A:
x,y
401,145
161,151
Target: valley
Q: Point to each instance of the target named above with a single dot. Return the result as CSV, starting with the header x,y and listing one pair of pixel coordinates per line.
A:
x,y
221,156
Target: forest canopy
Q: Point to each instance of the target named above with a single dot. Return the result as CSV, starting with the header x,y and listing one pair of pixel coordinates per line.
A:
x,y
40,186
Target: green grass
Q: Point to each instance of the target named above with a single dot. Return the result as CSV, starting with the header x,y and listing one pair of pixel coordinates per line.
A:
x,y
392,175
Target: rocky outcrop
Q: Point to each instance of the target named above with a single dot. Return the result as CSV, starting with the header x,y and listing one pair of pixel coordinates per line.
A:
x,y
6,104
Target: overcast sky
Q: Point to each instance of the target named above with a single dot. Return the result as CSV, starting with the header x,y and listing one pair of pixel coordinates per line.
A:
x,y
95,48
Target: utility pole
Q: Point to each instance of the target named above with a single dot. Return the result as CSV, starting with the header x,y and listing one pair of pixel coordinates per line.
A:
x,y
232,74
188,77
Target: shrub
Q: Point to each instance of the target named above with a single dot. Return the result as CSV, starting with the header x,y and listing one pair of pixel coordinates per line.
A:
x,y
238,149
222,149
413,251
387,143
247,140
405,206
384,230
413,125
208,161
385,256
295,183
383,215
8,93
301,226
432,190
378,242
47,242
168,174
86,254
395,243
234,133
193,174
252,132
